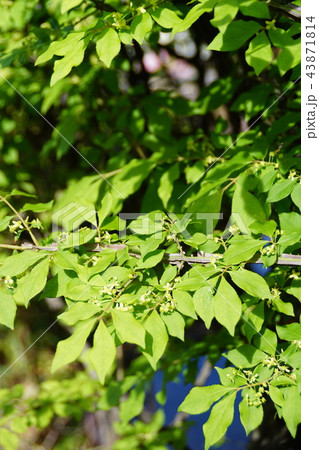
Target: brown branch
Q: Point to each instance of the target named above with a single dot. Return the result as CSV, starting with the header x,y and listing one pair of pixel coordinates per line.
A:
x,y
174,258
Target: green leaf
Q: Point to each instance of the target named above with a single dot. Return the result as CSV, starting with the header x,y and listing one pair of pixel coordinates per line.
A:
x,y
254,8
128,328
267,177
156,338
296,195
70,349
37,207
4,223
251,282
193,15
60,48
295,289
250,416
266,341
276,395
280,190
191,284
290,223
106,258
289,332
69,4
72,58
241,250
165,17
219,420
234,36
245,356
224,12
209,202
19,263
131,177
184,303
200,399
19,193
283,307
108,46
289,57
134,404
267,228
149,245
204,306
248,208
103,352
78,291
259,53
291,409
287,240
32,283
7,310
175,324
141,25
256,317
227,306
168,275
105,208
282,380
151,259
227,377
71,48
166,184
79,311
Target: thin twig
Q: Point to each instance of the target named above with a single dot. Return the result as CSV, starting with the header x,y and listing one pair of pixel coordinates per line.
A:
x,y
34,239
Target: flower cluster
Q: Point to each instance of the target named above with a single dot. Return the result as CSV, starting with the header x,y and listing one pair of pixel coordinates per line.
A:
x,y
95,260
294,275
9,282
279,368
16,225
123,307
95,301
269,250
62,236
119,21
251,378
234,229
215,258
292,175
112,288
148,297
258,397
168,306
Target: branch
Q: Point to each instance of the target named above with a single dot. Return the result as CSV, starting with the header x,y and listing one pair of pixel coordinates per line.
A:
x,y
174,258
290,9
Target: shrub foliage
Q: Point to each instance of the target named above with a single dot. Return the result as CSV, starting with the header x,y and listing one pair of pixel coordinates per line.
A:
x,y
150,155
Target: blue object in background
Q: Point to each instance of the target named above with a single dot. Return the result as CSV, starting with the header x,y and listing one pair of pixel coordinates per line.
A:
x,y
259,267
176,392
